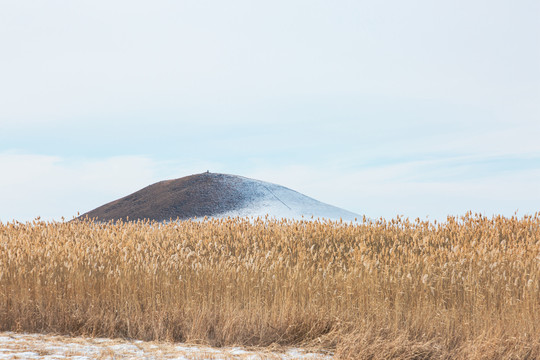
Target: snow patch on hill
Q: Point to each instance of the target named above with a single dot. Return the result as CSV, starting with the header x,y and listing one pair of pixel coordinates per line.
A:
x,y
264,198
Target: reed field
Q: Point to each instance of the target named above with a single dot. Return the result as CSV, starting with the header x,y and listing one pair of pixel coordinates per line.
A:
x,y
467,288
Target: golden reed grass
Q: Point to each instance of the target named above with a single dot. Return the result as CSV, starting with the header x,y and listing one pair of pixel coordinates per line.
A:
x,y
468,288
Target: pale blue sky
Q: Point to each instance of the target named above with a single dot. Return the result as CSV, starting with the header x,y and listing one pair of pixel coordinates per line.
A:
x,y
419,108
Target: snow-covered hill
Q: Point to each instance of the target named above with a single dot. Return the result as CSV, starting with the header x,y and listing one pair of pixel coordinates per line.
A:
x,y
216,195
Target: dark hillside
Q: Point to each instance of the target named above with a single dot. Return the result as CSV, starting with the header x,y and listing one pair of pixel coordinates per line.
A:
x,y
198,195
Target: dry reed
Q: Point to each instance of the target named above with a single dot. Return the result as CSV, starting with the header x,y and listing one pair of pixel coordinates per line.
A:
x,y
468,288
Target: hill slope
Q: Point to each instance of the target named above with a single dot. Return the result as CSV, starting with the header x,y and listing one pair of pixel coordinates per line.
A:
x,y
215,195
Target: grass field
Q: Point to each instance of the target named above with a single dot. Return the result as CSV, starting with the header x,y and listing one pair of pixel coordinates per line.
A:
x,y
468,288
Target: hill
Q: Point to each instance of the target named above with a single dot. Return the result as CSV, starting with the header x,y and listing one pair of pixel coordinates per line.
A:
x,y
216,195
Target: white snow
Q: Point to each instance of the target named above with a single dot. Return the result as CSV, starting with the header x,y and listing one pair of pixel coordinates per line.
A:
x,y
40,346
280,202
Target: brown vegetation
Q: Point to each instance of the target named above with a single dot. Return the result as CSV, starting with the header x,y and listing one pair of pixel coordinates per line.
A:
x,y
468,288
199,195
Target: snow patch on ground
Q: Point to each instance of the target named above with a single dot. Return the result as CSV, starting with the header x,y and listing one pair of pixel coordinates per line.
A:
x,y
40,346
280,202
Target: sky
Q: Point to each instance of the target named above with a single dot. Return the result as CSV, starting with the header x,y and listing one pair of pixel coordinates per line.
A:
x,y
413,108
